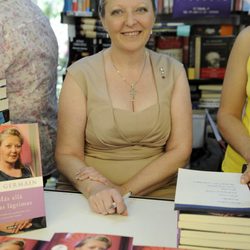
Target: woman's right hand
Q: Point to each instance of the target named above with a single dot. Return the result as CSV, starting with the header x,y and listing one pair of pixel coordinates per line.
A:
x,y
91,174
106,200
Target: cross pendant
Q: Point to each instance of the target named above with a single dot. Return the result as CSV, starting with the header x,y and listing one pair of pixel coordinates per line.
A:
x,y
132,92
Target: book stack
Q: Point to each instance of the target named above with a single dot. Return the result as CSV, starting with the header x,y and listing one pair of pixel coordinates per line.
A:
x,y
214,210
4,104
209,95
90,28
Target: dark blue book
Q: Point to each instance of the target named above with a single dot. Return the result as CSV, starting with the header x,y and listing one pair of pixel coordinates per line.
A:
x,y
190,8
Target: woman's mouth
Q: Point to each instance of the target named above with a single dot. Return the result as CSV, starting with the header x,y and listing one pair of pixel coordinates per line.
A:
x,y
132,33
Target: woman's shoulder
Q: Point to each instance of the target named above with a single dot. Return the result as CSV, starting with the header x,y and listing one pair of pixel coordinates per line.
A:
x,y
160,58
92,60
164,63
243,37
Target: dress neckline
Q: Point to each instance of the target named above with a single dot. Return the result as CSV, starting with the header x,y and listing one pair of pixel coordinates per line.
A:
x,y
113,109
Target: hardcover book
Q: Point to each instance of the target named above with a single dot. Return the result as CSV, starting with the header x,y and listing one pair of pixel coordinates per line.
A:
x,y
190,8
21,182
211,55
246,5
78,241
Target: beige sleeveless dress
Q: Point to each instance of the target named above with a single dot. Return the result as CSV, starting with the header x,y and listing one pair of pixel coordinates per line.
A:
x,y
120,143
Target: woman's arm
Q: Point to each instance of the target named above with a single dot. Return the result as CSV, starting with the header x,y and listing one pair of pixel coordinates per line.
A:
x,y
178,146
70,150
234,95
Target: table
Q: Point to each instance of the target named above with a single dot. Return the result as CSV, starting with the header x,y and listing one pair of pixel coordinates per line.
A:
x,y
150,222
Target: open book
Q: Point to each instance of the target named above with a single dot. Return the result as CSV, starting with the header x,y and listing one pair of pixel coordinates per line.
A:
x,y
205,191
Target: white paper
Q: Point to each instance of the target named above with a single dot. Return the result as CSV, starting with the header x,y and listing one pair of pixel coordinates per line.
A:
x,y
211,189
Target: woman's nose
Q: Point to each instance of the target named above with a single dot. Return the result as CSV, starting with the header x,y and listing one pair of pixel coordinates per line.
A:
x,y
130,19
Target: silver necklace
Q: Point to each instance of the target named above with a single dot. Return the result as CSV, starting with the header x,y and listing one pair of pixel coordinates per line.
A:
x,y
132,90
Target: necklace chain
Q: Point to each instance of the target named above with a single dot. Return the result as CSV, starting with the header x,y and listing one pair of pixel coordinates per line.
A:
x,y
132,90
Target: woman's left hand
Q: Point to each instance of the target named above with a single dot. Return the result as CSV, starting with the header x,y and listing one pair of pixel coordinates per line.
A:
x,y
106,200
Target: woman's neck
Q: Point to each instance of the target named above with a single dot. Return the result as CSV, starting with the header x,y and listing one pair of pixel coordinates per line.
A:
x,y
126,58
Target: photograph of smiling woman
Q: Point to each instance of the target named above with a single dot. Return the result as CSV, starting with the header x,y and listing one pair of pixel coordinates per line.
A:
x,y
11,167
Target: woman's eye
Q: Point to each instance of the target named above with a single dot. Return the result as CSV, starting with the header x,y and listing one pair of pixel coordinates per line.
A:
x,y
142,10
116,12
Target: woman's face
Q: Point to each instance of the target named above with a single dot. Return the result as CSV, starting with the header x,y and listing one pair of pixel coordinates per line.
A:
x,y
10,149
9,246
129,22
93,245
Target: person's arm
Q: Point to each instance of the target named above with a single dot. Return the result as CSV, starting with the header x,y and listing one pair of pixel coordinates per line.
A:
x,y
70,150
234,95
178,146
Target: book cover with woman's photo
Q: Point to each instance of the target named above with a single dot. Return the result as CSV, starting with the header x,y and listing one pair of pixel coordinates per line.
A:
x,y
22,205
80,241
14,243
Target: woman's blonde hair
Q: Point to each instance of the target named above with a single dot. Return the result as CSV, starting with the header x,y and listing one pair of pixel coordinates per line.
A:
x,y
104,239
12,132
102,4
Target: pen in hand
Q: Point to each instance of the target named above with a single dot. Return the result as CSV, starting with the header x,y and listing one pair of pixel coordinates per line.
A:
x,y
125,197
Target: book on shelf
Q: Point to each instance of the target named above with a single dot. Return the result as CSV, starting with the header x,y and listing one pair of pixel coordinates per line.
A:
x,y
211,55
190,8
210,87
213,210
210,95
171,45
246,5
208,104
21,194
213,29
81,47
